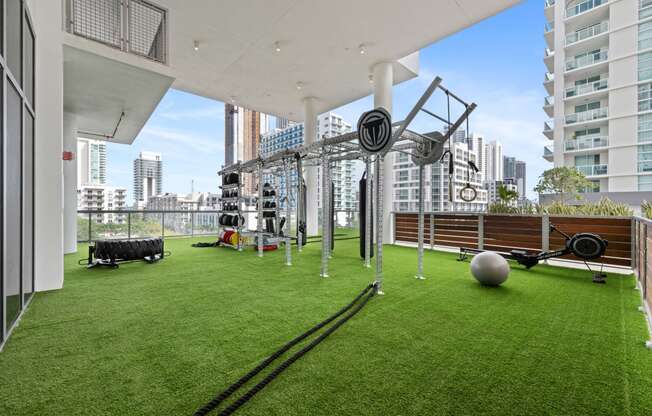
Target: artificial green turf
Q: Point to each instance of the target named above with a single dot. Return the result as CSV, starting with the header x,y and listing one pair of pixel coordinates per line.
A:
x,y
163,339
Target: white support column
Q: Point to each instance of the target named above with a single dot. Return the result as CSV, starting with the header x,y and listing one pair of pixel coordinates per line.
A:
x,y
70,184
48,176
383,80
311,172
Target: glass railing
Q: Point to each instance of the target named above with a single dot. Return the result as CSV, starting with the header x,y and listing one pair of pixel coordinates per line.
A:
x,y
584,7
549,53
592,170
549,27
588,32
549,101
589,115
586,60
548,152
549,3
548,125
603,84
584,143
549,77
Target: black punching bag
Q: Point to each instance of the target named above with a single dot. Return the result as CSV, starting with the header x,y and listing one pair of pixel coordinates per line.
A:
x,y
363,216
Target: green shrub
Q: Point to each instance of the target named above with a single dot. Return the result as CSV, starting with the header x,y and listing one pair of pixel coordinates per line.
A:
x,y
646,209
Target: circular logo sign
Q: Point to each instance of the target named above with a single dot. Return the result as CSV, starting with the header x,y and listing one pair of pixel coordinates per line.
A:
x,y
375,130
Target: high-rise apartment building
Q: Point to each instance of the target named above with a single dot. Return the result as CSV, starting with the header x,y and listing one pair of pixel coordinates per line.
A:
x,y
331,125
514,172
242,131
521,179
282,123
436,182
328,125
103,198
148,177
91,162
275,141
493,166
599,82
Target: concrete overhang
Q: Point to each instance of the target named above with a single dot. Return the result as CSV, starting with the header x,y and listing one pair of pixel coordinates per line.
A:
x,y
98,90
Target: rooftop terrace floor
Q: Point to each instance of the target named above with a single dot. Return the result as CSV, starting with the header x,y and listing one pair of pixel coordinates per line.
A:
x,y
165,338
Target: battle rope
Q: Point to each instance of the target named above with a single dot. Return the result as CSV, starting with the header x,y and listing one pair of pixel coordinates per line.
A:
x,y
217,400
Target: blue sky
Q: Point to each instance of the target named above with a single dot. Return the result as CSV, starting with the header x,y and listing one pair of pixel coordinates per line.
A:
x,y
497,63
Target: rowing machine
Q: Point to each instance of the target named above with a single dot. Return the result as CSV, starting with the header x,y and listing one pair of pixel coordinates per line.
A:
x,y
586,246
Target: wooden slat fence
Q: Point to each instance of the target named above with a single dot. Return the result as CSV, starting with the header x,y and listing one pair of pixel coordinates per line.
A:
x,y
524,232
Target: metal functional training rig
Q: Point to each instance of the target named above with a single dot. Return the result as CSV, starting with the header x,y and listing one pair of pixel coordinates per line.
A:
x,y
371,146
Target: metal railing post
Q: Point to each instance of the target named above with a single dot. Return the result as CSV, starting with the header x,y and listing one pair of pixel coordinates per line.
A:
x,y
644,282
192,223
480,231
432,231
163,224
545,232
90,230
129,225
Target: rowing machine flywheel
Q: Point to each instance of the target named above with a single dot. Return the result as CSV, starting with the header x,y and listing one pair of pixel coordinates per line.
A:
x,y
587,246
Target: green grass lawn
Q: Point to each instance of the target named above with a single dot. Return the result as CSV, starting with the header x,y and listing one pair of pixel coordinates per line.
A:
x,y
162,339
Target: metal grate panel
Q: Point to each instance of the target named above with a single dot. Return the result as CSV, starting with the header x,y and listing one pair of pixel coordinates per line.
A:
x,y
99,20
147,34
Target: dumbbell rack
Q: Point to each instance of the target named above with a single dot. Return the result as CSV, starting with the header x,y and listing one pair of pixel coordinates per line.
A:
x,y
230,200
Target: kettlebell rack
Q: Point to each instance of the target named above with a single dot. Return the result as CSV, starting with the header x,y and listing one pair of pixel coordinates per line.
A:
x,y
231,199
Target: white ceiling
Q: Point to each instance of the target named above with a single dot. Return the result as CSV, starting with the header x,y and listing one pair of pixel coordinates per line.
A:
x,y
319,46
319,43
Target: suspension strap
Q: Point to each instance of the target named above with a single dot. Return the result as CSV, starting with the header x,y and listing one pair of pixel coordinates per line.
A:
x,y
369,291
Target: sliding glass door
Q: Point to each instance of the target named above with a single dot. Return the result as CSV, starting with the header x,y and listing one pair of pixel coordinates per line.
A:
x,y
17,46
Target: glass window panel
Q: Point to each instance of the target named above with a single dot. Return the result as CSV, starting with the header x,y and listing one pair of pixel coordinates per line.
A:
x,y
645,36
13,22
28,55
12,203
28,207
645,183
645,66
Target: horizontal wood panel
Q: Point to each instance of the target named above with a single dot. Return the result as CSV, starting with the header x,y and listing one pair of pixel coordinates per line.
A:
x,y
508,232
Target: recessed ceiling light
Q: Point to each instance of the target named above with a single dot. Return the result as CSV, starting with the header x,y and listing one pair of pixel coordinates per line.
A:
x,y
277,47
195,45
362,49
299,85
371,79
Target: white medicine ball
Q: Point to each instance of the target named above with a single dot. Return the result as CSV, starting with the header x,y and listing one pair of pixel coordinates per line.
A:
x,y
490,268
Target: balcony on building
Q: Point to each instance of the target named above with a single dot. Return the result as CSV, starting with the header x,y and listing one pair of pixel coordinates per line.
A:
x,y
549,9
587,116
588,89
584,8
549,33
593,170
549,129
549,82
586,143
549,105
587,60
586,34
549,59
548,153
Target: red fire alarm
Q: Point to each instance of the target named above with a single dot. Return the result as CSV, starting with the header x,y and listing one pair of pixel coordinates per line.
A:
x,y
68,155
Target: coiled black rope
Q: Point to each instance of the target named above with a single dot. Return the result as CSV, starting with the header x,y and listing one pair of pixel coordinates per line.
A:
x,y
217,400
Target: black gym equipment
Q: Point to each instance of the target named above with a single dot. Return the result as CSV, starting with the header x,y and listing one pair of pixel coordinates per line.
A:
x,y
352,308
586,246
302,228
333,220
110,253
362,186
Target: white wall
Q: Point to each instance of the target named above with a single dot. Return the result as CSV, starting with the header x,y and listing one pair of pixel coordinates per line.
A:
x,y
48,146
